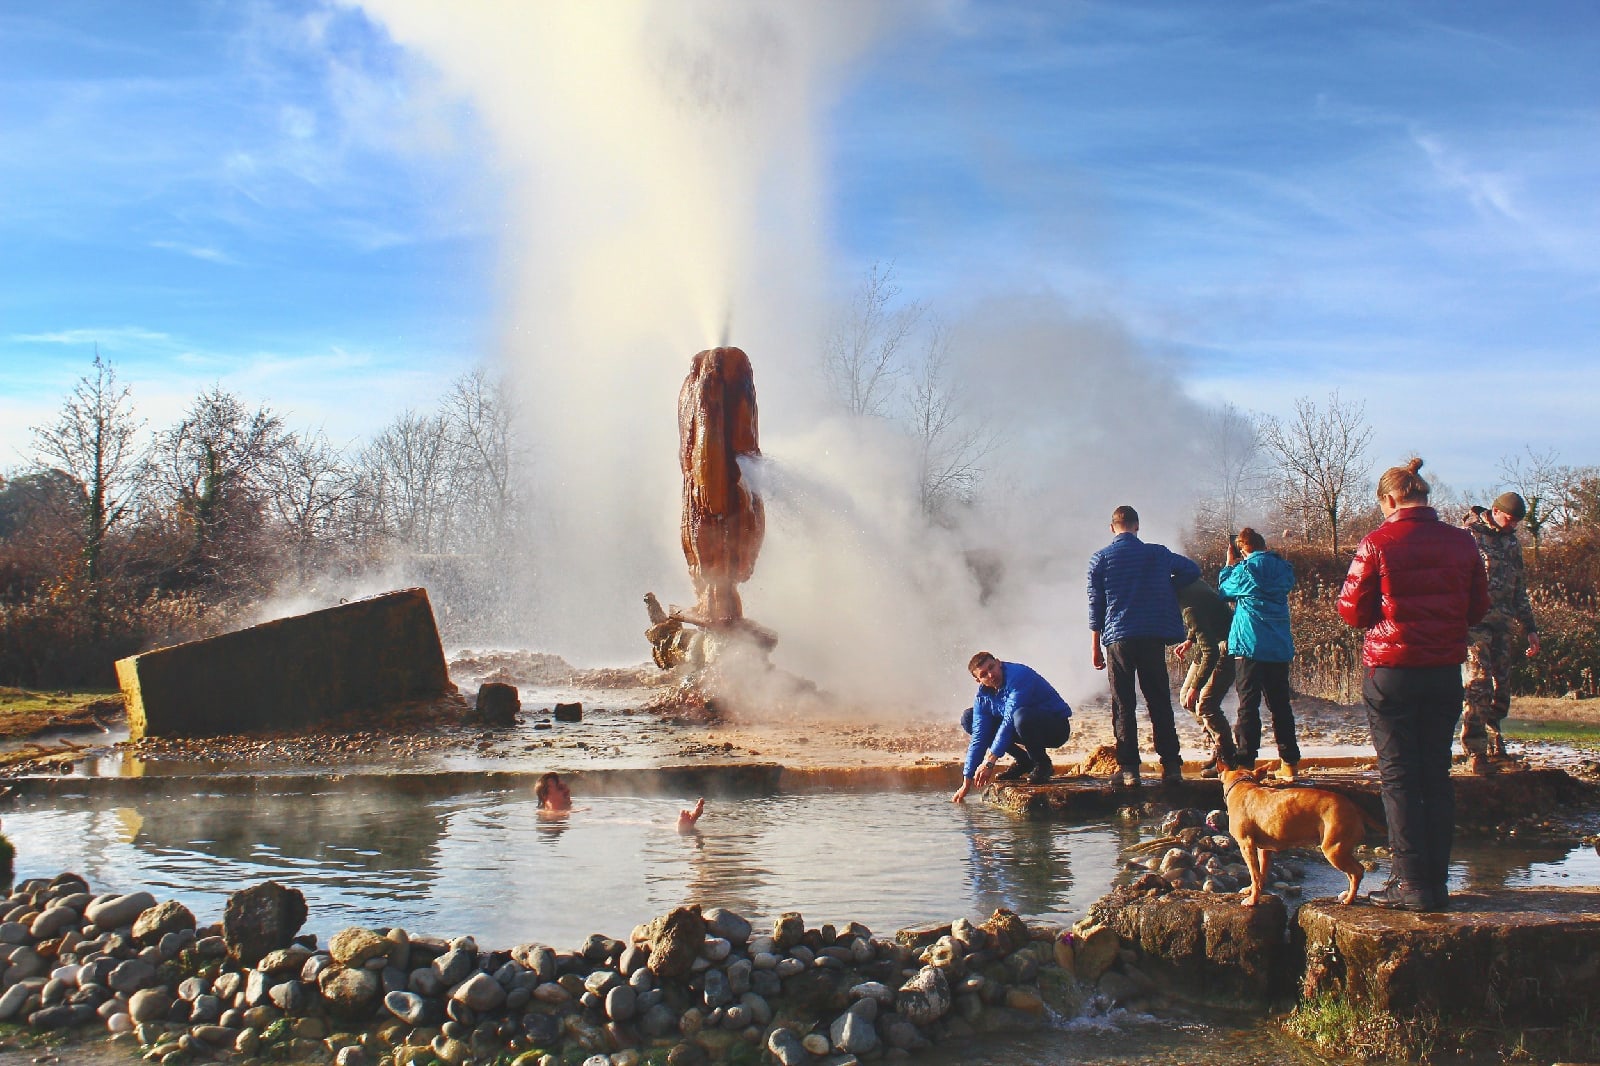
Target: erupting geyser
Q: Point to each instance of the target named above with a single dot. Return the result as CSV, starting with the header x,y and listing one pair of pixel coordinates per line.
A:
x,y
723,522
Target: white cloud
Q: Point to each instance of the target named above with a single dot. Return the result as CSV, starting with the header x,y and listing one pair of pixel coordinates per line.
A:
x,y
208,254
1489,192
131,336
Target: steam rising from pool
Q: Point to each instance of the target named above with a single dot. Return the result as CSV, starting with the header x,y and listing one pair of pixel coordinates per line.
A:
x,y
667,161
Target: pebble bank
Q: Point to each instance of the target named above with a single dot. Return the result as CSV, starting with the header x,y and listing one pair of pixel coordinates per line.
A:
x,y
690,987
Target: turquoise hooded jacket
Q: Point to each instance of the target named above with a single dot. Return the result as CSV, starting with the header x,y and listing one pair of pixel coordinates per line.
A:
x,y
1259,585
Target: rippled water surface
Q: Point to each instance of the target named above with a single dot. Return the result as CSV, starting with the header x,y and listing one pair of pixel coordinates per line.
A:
x,y
491,865
487,863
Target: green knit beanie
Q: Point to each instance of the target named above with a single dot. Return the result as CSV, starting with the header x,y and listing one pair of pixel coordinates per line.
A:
x,y
1511,504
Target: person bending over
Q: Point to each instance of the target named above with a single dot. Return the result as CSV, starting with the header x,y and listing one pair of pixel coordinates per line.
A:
x,y
1016,712
1207,619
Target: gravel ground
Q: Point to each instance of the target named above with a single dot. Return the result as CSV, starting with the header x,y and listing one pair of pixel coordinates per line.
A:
x,y
618,731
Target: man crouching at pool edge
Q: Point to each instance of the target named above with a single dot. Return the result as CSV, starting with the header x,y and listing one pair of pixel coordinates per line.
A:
x,y
1016,712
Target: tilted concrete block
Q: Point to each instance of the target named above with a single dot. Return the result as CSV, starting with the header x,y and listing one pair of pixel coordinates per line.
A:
x,y
289,672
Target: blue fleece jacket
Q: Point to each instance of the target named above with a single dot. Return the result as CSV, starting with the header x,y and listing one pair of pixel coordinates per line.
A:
x,y
1133,590
994,712
1259,585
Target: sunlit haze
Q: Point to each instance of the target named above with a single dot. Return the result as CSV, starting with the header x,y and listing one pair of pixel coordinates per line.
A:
x,y
1122,214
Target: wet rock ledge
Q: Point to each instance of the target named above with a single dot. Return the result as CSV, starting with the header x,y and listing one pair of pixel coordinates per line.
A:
x,y
1482,803
687,988
1519,958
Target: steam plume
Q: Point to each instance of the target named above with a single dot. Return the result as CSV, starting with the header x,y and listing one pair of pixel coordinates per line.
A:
x,y
667,174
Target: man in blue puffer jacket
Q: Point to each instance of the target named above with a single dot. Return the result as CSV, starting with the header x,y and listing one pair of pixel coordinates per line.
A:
x,y
1133,616
1258,581
1016,712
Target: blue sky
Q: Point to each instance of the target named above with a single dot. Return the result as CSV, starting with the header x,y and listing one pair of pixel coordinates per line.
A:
x,y
1276,199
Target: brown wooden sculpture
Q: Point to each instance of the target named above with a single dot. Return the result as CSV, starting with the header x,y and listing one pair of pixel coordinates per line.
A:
x,y
723,522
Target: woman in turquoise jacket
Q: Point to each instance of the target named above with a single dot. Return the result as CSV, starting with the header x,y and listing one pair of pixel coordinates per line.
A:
x,y
1258,581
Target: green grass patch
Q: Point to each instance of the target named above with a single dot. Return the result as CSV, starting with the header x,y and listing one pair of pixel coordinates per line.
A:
x,y
23,700
1330,1022
1574,734
26,712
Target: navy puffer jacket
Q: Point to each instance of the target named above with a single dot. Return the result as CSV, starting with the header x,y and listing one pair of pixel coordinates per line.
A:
x,y
1133,590
1415,585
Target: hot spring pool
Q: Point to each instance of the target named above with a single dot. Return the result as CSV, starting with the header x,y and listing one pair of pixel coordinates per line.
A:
x,y
486,863
482,861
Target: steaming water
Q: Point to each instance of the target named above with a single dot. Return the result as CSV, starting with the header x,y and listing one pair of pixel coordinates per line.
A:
x,y
486,863
666,170
490,865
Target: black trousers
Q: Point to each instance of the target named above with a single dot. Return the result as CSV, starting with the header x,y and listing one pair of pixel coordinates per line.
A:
x,y
1141,660
1258,679
1413,714
1036,732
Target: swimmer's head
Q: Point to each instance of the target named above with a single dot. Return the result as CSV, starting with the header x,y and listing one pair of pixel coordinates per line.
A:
x,y
553,793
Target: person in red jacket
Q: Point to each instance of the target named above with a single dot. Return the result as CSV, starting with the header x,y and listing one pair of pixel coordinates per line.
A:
x,y
1416,585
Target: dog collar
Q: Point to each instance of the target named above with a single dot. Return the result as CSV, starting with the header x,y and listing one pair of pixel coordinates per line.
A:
x,y
1236,783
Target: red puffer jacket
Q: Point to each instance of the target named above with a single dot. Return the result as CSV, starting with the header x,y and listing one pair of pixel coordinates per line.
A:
x,y
1415,586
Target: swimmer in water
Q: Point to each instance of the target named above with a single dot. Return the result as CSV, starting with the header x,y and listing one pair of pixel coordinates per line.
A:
x,y
553,794
687,819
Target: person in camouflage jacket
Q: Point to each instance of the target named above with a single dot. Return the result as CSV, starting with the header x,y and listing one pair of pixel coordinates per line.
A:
x,y
1486,675
1207,618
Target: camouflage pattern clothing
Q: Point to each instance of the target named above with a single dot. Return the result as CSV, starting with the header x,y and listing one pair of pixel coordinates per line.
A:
x,y
1486,675
1206,619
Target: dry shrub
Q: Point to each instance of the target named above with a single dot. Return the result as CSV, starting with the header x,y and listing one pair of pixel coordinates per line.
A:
x,y
1569,645
66,637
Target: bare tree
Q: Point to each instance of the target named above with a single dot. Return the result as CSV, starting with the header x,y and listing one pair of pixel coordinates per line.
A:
x,y
309,486
864,358
1545,483
405,471
481,424
950,446
1321,456
1234,469
1582,502
92,441
213,466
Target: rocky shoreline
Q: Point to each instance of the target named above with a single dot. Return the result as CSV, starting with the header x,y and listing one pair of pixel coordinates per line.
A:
x,y
690,987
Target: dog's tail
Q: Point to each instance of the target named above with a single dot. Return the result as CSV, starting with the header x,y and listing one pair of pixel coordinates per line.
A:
x,y
1374,825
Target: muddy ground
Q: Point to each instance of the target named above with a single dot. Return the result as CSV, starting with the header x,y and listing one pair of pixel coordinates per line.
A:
x,y
618,730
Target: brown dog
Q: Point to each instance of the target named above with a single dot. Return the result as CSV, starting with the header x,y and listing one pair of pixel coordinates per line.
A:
x,y
1264,820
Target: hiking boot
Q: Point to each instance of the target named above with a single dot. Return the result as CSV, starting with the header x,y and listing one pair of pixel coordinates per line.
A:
x,y
1400,897
1288,773
1128,779
1016,771
1041,773
1171,775
1481,766
1211,770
